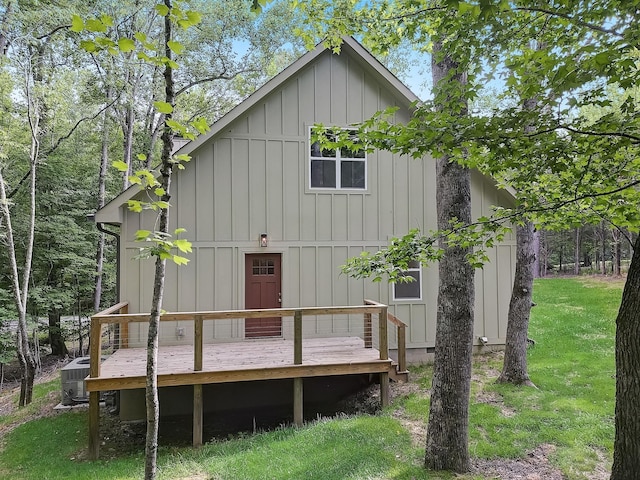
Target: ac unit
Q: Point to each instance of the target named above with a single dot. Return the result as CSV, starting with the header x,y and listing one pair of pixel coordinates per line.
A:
x,y
72,376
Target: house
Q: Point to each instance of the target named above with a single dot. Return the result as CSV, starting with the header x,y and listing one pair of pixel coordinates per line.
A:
x,y
272,217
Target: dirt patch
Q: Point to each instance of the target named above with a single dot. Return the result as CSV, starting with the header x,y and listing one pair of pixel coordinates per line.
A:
x,y
535,466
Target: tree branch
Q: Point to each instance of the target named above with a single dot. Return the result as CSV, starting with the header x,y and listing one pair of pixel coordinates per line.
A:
x,y
582,23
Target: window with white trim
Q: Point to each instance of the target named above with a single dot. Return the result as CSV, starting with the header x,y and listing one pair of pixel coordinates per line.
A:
x,y
340,168
411,290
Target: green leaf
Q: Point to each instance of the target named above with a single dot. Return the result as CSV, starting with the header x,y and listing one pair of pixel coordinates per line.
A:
x,y
176,47
135,180
120,166
200,124
126,45
179,230
95,25
162,204
178,260
194,17
142,235
77,25
106,20
159,191
134,206
183,245
88,46
163,107
141,156
163,10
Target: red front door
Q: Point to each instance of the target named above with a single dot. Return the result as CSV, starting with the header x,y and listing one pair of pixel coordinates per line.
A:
x,y
262,290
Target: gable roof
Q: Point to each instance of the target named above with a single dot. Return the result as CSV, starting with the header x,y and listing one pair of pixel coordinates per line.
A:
x,y
111,213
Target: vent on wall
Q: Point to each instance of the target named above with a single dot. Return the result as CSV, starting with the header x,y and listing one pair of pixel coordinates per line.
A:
x,y
72,376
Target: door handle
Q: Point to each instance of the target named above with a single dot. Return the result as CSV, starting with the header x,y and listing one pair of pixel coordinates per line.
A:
x,y
279,297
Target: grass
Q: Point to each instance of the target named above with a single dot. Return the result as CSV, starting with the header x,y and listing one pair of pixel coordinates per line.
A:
x,y
572,364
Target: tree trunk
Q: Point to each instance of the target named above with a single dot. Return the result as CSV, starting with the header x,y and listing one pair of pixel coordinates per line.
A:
x,y
153,407
514,369
544,254
616,250
56,339
448,424
603,247
127,142
626,449
102,188
4,28
576,256
536,253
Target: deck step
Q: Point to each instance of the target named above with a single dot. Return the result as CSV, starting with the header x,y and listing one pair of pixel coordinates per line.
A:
x,y
396,375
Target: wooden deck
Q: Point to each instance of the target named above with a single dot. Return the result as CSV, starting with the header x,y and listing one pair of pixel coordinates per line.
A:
x,y
250,359
254,359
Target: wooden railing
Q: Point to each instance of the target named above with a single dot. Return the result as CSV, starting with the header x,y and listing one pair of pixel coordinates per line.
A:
x,y
117,315
401,330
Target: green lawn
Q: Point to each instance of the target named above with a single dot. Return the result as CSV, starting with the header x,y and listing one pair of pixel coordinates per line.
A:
x,y
572,364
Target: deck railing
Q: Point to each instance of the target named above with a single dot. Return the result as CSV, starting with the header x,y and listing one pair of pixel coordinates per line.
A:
x,y
401,332
117,315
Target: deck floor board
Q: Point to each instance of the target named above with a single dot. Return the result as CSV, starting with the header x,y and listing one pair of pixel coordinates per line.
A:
x,y
239,359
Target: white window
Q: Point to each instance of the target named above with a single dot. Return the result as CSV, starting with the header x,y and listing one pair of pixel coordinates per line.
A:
x,y
339,168
411,290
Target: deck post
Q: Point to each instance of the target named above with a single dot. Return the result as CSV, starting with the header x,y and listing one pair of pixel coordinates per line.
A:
x,y
402,348
384,389
198,405
94,425
124,329
95,348
382,327
197,343
298,415
297,360
367,331
297,337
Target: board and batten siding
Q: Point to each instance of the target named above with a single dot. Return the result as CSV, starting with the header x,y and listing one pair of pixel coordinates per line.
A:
x,y
253,178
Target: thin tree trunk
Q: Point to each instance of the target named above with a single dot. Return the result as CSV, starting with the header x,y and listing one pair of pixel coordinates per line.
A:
x,y
448,424
4,28
127,142
616,250
544,252
576,256
20,293
626,449
603,247
102,188
153,407
514,369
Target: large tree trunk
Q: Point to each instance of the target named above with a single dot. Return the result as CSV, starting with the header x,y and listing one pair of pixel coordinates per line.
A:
x,y
448,424
536,253
626,449
514,369
153,407
56,339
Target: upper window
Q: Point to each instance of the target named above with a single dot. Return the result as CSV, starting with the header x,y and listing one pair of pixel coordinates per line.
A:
x,y
338,168
412,289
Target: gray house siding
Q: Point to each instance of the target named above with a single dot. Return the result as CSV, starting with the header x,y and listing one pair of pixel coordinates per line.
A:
x,y
252,177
